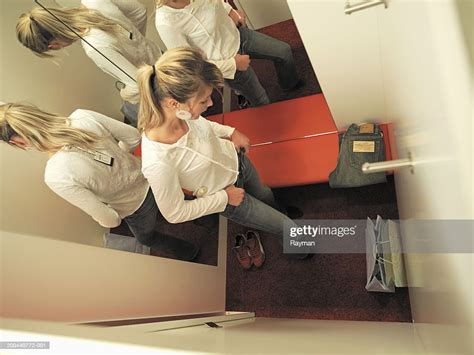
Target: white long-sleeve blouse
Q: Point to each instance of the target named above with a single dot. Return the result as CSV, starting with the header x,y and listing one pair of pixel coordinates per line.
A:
x,y
203,24
203,161
129,49
106,193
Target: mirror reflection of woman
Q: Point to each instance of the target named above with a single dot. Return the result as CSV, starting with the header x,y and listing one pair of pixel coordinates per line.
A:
x,y
91,166
218,30
115,27
183,150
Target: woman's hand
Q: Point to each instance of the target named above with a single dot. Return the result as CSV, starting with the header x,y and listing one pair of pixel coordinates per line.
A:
x,y
242,61
238,17
240,140
235,195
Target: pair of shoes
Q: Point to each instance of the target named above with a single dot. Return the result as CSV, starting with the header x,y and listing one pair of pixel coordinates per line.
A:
x,y
242,102
249,250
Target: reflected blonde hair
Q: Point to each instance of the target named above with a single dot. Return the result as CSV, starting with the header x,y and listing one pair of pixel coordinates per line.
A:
x,y
38,28
160,3
180,73
42,130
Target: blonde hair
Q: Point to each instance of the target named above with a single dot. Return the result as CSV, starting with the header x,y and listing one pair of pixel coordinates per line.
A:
x,y
42,130
160,3
180,73
38,28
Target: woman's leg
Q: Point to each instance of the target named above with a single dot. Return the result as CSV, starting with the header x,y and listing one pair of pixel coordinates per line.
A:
x,y
258,209
142,223
248,85
253,186
261,46
256,214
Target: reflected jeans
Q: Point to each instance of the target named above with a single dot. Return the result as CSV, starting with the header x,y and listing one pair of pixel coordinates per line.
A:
x,y
142,224
258,209
130,111
260,46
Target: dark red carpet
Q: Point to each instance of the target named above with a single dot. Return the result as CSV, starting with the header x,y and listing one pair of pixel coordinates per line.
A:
x,y
327,286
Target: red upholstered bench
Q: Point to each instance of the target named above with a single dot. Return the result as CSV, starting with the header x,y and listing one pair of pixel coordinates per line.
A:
x,y
294,142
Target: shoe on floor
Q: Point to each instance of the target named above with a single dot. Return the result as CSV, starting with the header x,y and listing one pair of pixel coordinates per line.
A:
x,y
209,221
293,212
242,251
300,257
242,102
179,248
255,248
187,251
299,84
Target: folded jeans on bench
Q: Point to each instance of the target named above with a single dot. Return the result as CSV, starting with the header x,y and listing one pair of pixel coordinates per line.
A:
x,y
355,149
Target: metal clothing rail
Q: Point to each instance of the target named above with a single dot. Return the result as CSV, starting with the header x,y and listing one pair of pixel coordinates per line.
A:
x,y
348,9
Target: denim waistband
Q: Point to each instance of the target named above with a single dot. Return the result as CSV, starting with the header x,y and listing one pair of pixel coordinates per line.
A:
x,y
240,177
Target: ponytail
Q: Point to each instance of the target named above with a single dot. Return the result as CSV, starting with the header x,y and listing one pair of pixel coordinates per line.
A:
x,y
180,73
149,112
38,28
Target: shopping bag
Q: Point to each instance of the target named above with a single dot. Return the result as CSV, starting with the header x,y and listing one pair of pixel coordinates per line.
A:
x,y
396,255
385,268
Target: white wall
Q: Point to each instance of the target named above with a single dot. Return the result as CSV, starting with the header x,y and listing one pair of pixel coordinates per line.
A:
x,y
429,96
53,280
411,64
259,336
264,13
344,52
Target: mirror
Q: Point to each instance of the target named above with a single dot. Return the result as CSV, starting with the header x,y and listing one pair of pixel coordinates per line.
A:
x,y
68,82
89,87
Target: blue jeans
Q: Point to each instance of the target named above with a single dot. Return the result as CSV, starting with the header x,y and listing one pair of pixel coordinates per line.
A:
x,y
260,46
348,172
130,111
142,224
259,209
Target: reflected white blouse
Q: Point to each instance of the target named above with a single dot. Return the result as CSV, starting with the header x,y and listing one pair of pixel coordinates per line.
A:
x,y
106,193
129,49
203,24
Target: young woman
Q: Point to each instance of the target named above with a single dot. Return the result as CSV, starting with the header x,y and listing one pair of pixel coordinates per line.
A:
x,y
116,28
91,167
214,27
183,150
